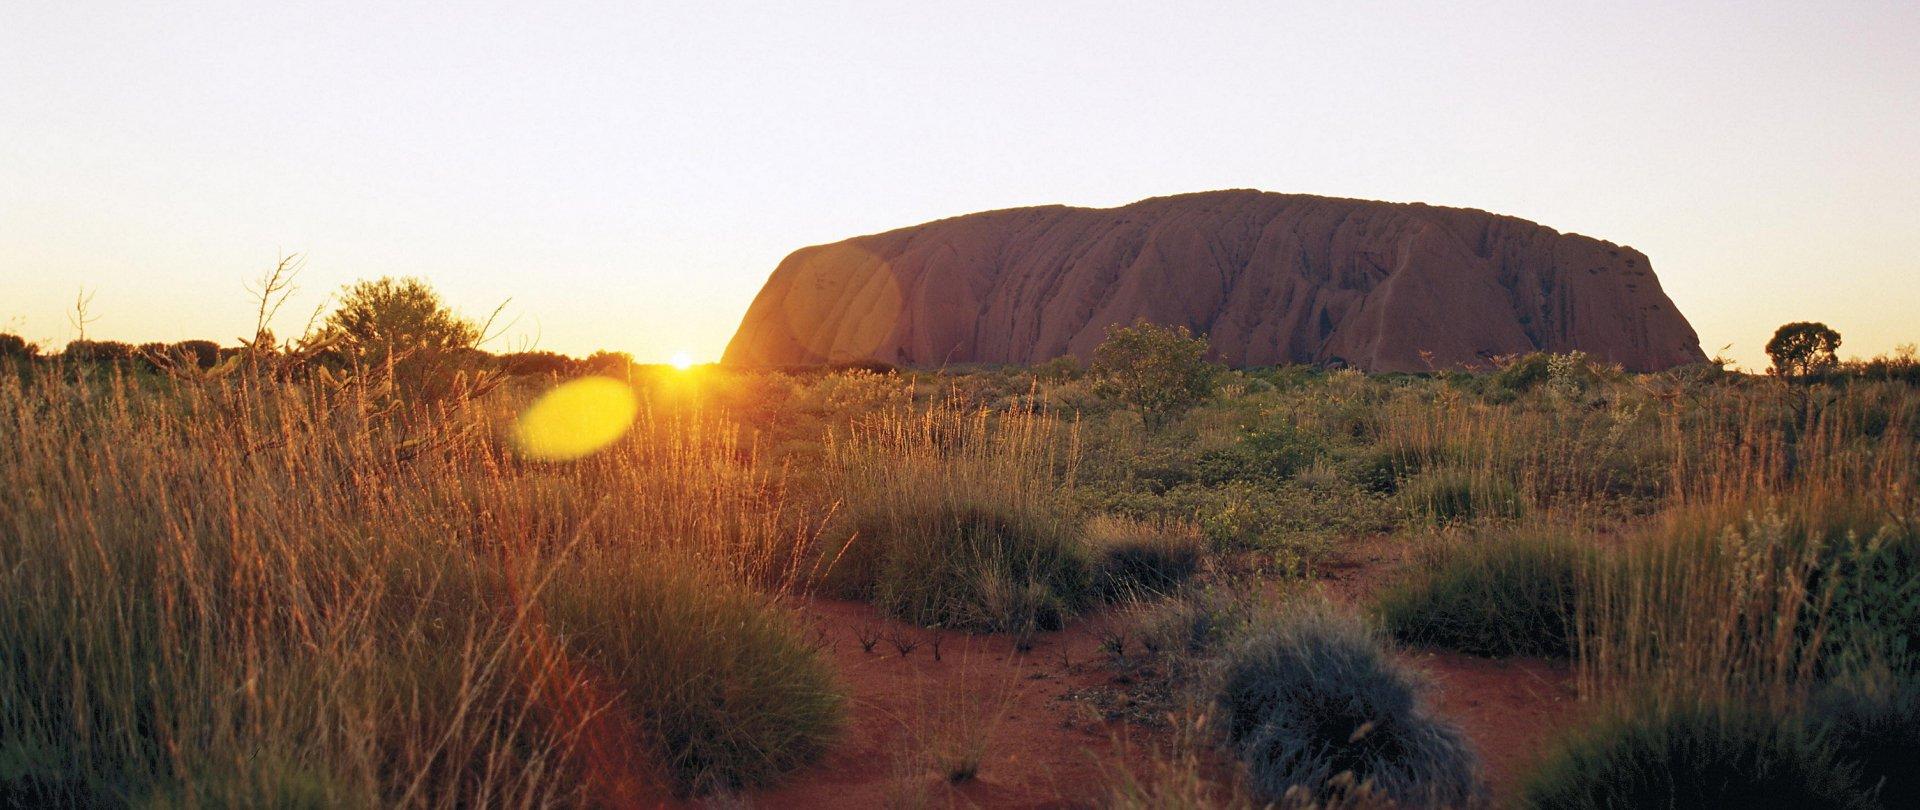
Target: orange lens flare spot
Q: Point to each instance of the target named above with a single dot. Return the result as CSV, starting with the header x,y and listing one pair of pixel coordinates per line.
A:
x,y
576,419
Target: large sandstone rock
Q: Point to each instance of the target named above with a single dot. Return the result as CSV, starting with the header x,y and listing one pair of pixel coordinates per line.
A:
x,y
1269,278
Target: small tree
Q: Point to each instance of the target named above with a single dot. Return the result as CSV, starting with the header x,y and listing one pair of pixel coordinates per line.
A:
x,y
1157,370
399,331
392,316
1803,349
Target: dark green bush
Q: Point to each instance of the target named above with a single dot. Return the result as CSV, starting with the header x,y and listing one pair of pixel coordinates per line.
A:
x,y
1524,373
1874,615
1382,470
1508,595
98,351
1264,454
1315,695
1694,757
1875,729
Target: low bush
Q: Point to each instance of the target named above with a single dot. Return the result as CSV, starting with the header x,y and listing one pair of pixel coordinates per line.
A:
x,y
104,352
1507,595
1315,695
15,347
1268,454
1191,625
1694,756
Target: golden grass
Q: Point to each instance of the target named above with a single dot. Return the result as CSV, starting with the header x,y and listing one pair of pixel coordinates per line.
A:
x,y
247,592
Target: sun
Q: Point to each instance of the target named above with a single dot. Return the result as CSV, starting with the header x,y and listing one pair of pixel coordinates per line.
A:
x,y
681,360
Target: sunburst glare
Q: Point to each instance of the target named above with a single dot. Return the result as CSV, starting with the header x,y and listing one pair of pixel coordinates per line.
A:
x,y
576,419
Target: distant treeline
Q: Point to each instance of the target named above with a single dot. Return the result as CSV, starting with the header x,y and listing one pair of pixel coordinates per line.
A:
x,y
206,354
1519,373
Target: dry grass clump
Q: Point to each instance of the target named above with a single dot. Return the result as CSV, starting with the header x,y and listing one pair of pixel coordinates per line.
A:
x,y
1508,594
715,678
956,518
245,592
1453,494
1713,755
1136,558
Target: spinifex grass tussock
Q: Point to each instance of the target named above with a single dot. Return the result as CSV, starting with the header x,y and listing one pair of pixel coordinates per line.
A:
x,y
1139,558
957,517
1684,755
1511,593
716,679
247,592
1314,703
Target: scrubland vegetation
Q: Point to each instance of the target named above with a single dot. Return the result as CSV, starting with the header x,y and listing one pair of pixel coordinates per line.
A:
x,y
326,573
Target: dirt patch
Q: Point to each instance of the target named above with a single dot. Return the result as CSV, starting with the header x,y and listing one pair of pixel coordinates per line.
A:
x,y
917,724
1512,709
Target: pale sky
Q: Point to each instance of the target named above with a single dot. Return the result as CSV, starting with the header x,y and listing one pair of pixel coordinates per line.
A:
x,y
629,173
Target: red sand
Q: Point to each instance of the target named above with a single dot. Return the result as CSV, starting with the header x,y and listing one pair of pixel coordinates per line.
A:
x,y
1041,749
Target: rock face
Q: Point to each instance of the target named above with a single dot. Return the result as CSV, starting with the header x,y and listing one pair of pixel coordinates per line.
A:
x,y
1270,278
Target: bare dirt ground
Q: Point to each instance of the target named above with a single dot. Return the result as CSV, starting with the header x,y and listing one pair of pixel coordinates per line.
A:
x,y
916,722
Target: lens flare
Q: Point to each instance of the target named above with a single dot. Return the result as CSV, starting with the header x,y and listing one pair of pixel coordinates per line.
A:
x,y
681,361
576,419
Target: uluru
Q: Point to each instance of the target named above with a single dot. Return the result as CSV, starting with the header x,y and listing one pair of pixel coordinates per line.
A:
x,y
1270,279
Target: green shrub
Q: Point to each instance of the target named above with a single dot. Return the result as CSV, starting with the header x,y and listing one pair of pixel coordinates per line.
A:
x,y
1874,615
103,352
1452,494
1523,373
1267,454
1383,469
1508,595
1694,756
1315,695
725,689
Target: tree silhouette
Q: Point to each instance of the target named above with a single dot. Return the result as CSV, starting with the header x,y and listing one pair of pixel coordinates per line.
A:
x,y
1803,349
389,316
